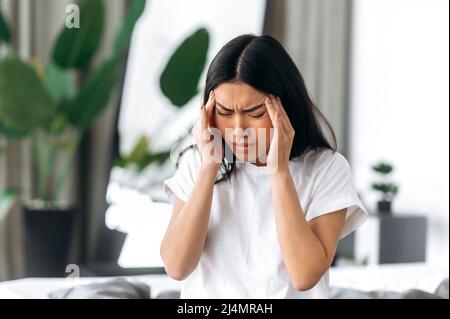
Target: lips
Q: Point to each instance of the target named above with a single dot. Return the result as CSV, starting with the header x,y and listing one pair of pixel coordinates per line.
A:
x,y
243,145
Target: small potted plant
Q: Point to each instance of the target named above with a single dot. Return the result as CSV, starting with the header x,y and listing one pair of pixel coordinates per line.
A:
x,y
385,186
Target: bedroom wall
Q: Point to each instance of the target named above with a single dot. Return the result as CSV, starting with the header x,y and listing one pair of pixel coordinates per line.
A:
x,y
400,107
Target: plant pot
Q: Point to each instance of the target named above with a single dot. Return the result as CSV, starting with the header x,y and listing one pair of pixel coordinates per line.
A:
x,y
48,233
384,207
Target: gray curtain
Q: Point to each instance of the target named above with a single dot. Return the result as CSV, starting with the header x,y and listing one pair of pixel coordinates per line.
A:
x,y
317,34
36,24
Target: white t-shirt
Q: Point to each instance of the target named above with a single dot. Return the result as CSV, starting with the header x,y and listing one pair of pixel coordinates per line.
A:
x,y
242,256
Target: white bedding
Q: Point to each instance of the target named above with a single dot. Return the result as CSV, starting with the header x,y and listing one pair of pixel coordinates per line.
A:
x,y
399,277
39,288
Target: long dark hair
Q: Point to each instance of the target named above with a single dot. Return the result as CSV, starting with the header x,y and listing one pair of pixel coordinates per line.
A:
x,y
263,63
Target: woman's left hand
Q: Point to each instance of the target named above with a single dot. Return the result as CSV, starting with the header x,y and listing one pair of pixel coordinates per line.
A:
x,y
283,137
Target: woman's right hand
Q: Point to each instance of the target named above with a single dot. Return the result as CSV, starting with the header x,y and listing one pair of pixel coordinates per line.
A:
x,y
207,136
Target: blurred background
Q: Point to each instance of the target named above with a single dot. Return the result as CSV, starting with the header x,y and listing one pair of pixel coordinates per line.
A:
x,y
96,97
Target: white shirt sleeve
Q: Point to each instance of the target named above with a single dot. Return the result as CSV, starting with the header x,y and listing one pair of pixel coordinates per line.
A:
x,y
336,190
181,183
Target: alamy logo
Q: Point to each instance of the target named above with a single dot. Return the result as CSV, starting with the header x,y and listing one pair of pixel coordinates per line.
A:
x,y
73,16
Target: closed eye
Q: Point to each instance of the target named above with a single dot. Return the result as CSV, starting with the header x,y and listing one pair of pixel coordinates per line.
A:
x,y
254,116
259,115
223,114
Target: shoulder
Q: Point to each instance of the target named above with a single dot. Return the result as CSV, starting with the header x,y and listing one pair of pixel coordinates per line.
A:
x,y
188,157
187,162
320,161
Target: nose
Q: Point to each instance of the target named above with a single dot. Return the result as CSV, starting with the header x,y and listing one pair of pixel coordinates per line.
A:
x,y
240,123
242,133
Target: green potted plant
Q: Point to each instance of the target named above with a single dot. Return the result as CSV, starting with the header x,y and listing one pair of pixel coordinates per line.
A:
x,y
7,196
53,105
385,187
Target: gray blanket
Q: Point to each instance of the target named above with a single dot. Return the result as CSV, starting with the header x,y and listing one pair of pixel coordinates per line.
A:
x,y
121,288
441,292
118,288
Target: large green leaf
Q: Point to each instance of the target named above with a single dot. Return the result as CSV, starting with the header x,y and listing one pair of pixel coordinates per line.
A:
x,y
149,158
179,80
94,95
7,199
60,85
24,101
139,150
5,33
124,35
76,47
10,132
141,156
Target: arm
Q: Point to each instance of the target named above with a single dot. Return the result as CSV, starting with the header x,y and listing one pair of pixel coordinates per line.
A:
x,y
185,237
308,248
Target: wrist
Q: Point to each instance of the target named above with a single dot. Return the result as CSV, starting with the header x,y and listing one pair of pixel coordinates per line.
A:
x,y
281,172
210,167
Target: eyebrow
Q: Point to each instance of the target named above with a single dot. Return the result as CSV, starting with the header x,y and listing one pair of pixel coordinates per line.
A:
x,y
250,109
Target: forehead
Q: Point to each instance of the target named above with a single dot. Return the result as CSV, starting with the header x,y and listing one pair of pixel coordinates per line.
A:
x,y
238,95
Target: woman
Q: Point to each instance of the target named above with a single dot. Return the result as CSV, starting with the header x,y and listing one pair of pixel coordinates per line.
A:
x,y
262,200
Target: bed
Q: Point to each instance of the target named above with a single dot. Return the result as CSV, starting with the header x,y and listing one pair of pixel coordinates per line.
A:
x,y
383,281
